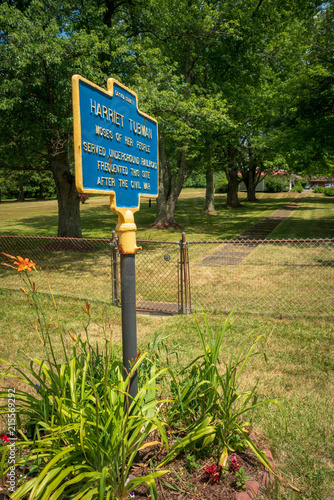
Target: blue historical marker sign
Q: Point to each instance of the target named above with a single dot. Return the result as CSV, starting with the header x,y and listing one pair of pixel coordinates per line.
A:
x,y
116,145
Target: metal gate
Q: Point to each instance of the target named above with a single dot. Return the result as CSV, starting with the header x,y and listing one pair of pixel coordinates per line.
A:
x,y
162,276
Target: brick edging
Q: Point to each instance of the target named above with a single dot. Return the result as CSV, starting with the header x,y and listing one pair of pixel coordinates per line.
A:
x,y
252,487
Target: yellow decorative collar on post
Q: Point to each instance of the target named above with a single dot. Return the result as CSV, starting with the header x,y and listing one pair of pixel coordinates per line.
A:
x,y
126,228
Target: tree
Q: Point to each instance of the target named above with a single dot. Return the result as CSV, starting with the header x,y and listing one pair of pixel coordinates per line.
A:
x,y
298,132
206,70
170,78
251,69
41,48
311,119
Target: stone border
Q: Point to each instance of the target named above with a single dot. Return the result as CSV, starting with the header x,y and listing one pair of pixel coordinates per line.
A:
x,y
252,487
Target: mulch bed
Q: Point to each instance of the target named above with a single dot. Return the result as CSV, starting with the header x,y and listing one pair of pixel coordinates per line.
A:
x,y
192,483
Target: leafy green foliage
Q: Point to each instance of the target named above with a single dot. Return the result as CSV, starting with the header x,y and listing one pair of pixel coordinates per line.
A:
x,y
93,432
241,478
222,187
304,122
274,184
83,430
205,395
299,185
20,185
297,188
158,350
329,191
195,181
319,189
220,77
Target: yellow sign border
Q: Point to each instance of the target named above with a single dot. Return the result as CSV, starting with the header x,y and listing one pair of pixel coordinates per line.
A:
x,y
77,139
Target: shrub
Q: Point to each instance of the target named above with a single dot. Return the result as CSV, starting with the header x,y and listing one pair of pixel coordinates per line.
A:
x,y
221,187
329,191
274,184
319,189
300,184
196,180
297,189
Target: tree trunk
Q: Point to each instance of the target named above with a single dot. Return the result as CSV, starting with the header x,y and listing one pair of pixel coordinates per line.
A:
x,y
21,193
250,182
69,223
250,176
210,185
41,192
232,190
170,186
251,193
233,181
210,192
165,211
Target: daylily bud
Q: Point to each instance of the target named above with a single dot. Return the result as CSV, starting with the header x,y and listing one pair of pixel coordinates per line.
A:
x,y
72,336
7,255
87,308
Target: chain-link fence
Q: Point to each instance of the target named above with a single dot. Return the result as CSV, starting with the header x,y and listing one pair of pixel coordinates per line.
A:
x,y
271,277
157,276
280,277
74,267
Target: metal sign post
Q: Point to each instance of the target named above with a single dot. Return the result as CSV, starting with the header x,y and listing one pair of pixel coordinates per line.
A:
x,y
116,153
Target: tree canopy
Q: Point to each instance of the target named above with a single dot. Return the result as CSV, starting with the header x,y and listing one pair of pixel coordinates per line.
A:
x,y
236,86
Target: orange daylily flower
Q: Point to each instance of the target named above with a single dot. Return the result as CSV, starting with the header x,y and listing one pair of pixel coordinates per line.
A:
x,y
24,264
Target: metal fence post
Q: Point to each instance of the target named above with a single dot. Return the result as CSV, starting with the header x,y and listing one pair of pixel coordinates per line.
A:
x,y
115,268
180,279
184,303
129,320
185,274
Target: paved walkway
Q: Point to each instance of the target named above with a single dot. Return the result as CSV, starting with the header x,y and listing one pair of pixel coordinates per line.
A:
x,y
232,254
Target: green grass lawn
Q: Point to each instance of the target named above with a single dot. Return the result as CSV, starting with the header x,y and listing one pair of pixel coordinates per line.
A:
x,y
313,218
300,368
299,372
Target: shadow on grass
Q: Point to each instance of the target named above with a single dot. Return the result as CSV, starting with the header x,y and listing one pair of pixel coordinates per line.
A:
x,y
99,221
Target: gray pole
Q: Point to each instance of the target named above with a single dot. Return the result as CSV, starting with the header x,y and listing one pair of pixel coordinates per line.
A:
x,y
129,321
